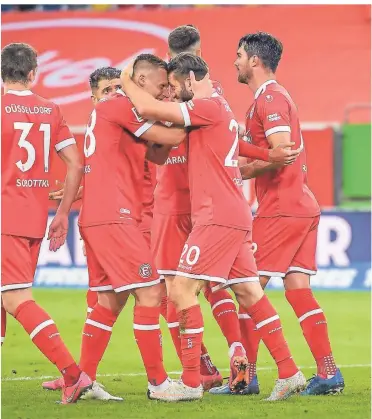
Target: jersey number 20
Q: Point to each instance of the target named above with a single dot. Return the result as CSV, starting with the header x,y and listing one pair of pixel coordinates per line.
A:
x,y
25,127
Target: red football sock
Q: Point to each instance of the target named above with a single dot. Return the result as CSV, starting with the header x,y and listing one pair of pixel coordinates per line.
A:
x,y
270,330
250,339
3,324
96,336
191,329
164,307
148,336
174,328
45,336
314,328
224,311
206,364
92,300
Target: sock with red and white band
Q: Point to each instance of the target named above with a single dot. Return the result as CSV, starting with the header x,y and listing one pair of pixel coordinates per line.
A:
x,y
206,364
92,300
269,328
3,324
250,339
191,329
314,328
96,336
224,311
44,334
174,328
148,337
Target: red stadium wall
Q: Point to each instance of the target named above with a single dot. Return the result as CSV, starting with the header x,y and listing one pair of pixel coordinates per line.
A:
x,y
321,43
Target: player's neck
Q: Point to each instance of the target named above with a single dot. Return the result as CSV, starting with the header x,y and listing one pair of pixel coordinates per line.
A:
x,y
16,86
258,81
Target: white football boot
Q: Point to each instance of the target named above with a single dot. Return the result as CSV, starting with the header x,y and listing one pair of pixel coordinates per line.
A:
x,y
174,391
285,387
97,392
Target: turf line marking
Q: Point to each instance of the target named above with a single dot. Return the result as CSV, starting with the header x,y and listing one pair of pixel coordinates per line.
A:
x,y
142,374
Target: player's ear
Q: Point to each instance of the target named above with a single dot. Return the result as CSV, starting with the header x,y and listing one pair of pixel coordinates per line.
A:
x,y
32,76
141,81
94,99
198,52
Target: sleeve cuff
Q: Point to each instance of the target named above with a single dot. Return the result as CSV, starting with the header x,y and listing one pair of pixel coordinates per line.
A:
x,y
185,114
279,128
143,128
65,143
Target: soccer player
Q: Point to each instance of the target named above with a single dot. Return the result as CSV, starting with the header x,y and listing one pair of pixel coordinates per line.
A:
x,y
286,223
219,248
32,127
119,260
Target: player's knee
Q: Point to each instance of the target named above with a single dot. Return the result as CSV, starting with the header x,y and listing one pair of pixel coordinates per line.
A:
x,y
112,301
296,280
14,298
150,296
248,293
183,289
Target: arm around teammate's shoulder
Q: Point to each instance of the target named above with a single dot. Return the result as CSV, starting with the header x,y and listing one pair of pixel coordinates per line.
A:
x,y
160,134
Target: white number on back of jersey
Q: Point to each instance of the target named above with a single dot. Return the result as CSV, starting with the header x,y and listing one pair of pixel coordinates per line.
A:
x,y
229,160
25,127
88,151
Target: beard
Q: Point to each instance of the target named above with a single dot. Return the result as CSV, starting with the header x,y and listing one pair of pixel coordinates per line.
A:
x,y
185,95
244,78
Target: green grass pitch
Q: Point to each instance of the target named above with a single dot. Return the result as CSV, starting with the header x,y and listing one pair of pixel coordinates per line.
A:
x,y
122,372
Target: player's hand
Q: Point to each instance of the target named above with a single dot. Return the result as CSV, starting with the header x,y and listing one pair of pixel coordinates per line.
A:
x,y
57,195
58,231
127,72
203,88
282,154
241,130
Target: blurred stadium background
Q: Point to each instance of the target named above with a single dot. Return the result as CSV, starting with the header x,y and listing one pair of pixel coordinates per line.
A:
x,y
326,66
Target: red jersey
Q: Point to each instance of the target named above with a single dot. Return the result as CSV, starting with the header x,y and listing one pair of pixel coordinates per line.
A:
x,y
149,183
172,194
32,127
114,164
284,191
214,176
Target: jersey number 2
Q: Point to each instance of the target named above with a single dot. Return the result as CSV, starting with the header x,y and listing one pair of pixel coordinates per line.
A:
x,y
25,127
229,160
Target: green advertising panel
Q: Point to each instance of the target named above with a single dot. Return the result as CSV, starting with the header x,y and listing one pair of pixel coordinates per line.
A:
x,y
356,159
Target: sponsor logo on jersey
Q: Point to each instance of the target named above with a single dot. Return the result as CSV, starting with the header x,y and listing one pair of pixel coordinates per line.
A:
x,y
269,98
145,270
124,211
273,117
137,115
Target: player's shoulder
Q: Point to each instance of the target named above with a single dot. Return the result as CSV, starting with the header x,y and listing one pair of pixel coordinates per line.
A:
x,y
273,94
119,100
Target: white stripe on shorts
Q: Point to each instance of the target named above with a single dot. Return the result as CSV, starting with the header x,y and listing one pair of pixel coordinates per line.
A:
x,y
202,277
15,287
298,269
138,285
241,280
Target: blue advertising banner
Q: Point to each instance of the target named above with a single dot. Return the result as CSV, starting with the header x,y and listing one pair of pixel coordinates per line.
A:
x,y
343,255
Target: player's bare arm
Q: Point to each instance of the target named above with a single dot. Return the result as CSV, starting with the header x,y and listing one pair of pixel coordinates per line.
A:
x,y
58,194
160,134
157,153
59,226
147,106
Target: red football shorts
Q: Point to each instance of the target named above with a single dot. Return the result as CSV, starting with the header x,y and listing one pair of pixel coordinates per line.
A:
x,y
147,237
218,254
285,244
118,258
19,257
169,235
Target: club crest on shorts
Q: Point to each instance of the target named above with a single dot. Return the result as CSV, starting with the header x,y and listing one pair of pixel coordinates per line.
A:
x,y
145,270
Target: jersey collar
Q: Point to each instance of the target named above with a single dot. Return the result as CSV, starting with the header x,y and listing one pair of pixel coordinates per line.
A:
x,y
19,92
262,88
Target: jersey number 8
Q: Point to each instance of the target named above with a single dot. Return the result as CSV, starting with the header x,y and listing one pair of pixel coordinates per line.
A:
x,y
88,151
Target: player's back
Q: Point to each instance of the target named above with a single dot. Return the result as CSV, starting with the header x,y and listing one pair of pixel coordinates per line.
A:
x,y
113,164
284,191
32,129
214,176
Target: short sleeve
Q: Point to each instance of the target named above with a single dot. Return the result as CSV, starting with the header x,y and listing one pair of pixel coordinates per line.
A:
x,y
123,112
63,137
274,113
200,112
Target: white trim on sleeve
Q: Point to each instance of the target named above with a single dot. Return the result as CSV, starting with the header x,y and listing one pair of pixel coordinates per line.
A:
x,y
65,143
143,128
279,128
185,114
